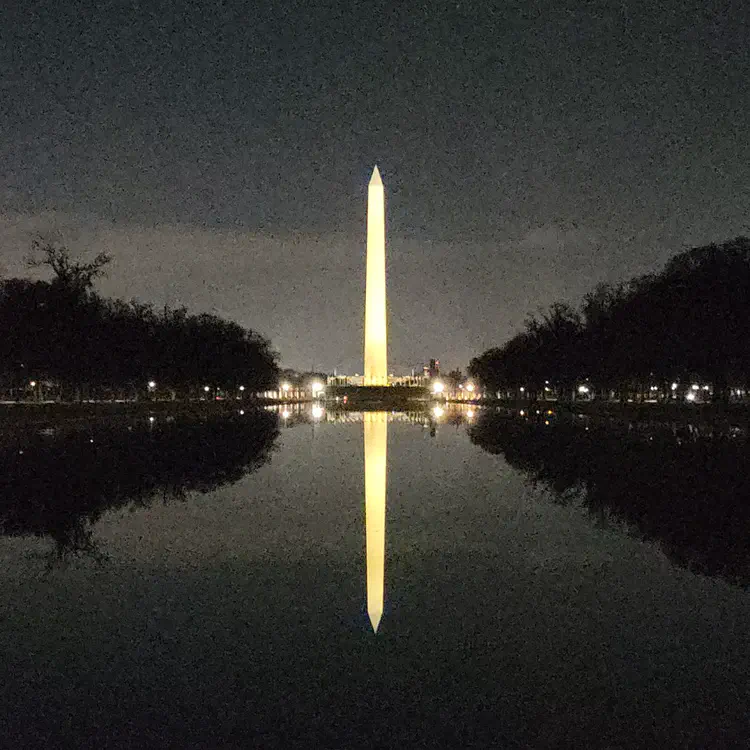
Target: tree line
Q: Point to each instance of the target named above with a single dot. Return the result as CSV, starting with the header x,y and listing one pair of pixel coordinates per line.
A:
x,y
686,323
81,345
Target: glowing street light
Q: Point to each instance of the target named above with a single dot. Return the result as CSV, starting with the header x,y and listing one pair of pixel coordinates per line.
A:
x,y
583,389
674,386
690,396
438,387
470,387
242,387
206,388
285,387
33,383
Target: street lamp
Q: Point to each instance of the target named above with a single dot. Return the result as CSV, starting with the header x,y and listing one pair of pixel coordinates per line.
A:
x,y
437,387
151,384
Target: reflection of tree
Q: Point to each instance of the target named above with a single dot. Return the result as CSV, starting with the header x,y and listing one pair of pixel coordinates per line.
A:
x,y
687,492
60,487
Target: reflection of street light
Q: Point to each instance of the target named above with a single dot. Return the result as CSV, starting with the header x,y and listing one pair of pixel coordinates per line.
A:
x,y
438,412
285,414
690,396
470,414
437,387
317,412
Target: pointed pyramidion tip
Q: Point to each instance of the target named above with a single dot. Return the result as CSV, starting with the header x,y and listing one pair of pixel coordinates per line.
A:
x,y
375,179
375,618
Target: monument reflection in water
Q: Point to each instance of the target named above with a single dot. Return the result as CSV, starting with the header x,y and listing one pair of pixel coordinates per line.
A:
x,y
376,449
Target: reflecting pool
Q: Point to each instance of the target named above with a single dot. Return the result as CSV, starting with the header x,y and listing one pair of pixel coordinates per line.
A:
x,y
312,577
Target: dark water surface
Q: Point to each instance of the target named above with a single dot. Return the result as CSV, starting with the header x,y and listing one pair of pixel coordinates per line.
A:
x,y
206,586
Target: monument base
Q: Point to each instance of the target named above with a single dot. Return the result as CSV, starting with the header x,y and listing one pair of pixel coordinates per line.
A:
x,y
385,395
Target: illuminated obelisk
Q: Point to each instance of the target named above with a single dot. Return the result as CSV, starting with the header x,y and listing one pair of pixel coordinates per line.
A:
x,y
376,446
376,357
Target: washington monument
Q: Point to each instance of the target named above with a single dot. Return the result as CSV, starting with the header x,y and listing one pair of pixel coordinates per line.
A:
x,y
376,349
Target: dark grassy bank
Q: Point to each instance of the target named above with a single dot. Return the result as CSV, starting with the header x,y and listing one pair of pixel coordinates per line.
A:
x,y
22,415
718,414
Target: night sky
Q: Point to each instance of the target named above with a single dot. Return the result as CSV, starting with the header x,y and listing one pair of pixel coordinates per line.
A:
x,y
221,152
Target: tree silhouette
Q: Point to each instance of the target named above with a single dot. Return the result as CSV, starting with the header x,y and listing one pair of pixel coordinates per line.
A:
x,y
689,321
63,332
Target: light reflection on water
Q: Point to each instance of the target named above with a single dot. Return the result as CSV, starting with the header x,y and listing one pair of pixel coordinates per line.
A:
x,y
376,459
233,569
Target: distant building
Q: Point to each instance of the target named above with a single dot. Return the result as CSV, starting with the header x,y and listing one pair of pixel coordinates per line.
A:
x,y
358,380
433,369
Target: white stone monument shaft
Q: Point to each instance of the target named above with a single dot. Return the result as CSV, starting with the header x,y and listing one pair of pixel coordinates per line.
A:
x,y
376,356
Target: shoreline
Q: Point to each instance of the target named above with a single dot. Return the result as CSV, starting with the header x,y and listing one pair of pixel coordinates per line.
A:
x,y
727,414
51,414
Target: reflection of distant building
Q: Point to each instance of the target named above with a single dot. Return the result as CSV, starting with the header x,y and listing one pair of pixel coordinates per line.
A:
x,y
433,369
